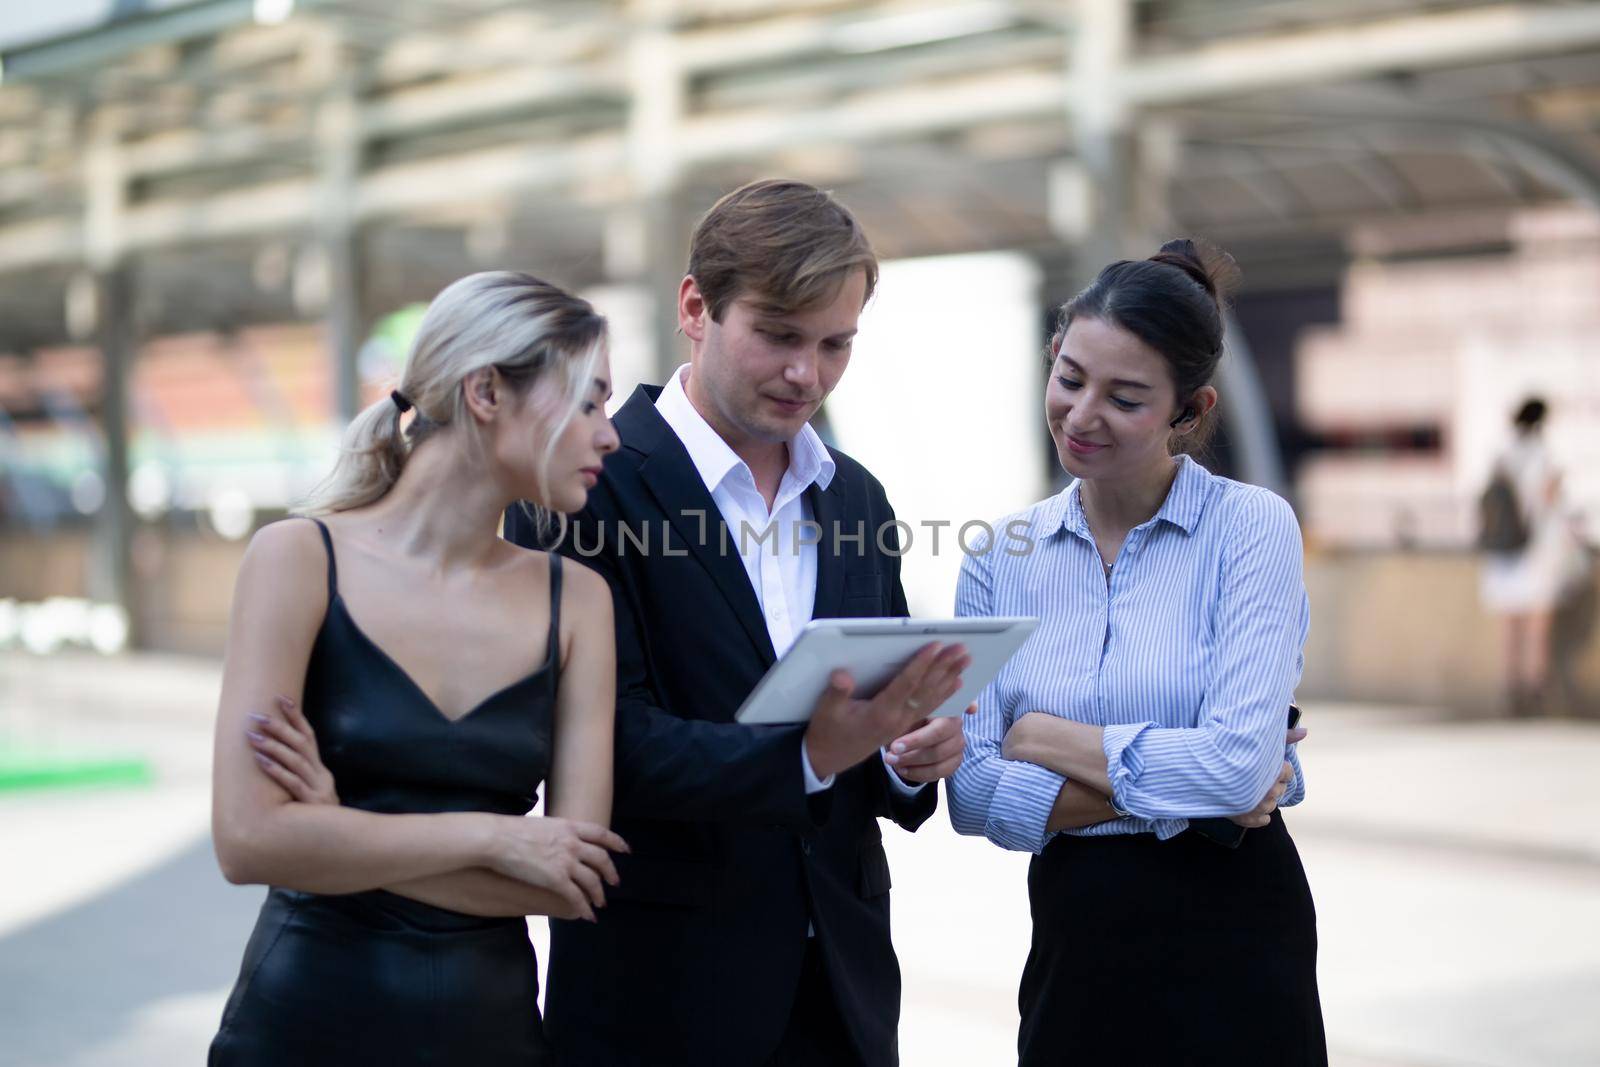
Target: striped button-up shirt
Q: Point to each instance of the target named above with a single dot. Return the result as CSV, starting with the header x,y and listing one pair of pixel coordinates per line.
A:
x,y
1188,654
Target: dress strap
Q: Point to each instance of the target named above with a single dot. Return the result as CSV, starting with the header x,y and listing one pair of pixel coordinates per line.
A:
x,y
555,613
333,570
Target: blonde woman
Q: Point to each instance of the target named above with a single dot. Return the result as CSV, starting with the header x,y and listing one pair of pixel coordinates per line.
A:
x,y
439,674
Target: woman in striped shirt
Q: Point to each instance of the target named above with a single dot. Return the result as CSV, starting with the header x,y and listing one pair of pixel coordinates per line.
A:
x,y
1173,613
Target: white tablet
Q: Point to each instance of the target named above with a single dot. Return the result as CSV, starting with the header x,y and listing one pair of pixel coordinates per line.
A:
x,y
874,651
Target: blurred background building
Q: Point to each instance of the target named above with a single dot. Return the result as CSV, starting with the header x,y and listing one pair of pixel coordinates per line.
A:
x,y
220,218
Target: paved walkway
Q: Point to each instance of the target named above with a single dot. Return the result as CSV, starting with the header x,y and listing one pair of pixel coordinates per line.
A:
x,y
1456,866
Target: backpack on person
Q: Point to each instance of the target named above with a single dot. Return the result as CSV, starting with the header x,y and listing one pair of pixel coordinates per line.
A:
x,y
1502,527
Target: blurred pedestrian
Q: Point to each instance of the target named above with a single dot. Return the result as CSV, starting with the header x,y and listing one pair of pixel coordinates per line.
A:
x,y
1527,543
428,677
1173,613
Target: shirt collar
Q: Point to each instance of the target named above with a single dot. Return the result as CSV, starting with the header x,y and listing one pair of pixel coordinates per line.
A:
x,y
809,460
1185,500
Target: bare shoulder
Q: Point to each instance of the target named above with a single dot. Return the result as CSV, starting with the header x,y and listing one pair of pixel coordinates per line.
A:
x,y
585,593
283,577
586,583
287,550
588,630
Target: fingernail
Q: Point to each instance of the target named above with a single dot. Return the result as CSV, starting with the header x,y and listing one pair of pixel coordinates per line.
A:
x,y
264,761
285,703
892,758
259,718
252,735
898,746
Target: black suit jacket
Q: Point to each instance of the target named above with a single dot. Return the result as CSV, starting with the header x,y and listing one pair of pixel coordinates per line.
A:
x,y
696,958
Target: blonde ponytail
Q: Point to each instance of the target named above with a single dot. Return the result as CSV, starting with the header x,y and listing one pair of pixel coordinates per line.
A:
x,y
522,326
371,455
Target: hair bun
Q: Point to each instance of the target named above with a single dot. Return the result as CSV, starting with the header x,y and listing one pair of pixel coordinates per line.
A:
x,y
1211,268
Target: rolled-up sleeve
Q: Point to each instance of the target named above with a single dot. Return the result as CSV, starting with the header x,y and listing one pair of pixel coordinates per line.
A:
x,y
1297,785
1227,763
1006,801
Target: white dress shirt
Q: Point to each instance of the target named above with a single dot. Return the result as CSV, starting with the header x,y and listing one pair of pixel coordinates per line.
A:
x,y
784,577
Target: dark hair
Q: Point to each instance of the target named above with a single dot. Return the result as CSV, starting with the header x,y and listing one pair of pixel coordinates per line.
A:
x,y
789,243
1172,302
1530,414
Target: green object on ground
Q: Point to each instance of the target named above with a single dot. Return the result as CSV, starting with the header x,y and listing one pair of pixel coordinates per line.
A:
x,y
41,771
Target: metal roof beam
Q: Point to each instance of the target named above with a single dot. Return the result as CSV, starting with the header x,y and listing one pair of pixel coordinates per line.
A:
x,y
94,48
590,163
901,112
465,99
885,27
29,244
288,206
1339,53
600,162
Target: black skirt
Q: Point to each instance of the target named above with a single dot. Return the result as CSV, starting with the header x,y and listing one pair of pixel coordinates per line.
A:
x,y
373,978
1171,952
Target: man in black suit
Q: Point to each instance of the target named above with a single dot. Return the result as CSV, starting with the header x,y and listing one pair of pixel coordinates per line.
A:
x,y
751,925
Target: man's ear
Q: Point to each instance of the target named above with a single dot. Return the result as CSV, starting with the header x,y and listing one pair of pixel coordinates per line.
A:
x,y
693,313
484,391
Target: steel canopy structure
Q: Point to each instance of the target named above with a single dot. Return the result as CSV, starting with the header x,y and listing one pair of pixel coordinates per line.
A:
x,y
955,126
179,165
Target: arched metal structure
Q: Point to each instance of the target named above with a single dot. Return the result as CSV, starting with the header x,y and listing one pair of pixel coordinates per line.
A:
x,y
170,153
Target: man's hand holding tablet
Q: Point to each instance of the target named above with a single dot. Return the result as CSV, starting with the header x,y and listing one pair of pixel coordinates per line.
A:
x,y
896,684
845,730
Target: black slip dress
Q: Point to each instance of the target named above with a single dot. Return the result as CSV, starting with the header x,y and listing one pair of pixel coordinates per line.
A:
x,y
374,977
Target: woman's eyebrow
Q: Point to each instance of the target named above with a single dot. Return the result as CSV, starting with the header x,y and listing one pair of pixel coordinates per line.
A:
x,y
1127,383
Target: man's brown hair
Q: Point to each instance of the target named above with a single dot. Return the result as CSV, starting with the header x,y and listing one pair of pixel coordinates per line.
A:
x,y
790,244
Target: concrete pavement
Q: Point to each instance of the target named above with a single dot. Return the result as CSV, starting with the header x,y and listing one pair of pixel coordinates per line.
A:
x,y
1456,867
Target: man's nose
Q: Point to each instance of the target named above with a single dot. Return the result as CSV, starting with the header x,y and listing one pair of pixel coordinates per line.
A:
x,y
802,370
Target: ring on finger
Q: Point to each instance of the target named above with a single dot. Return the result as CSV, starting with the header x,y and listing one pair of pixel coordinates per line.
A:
x,y
913,705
